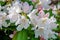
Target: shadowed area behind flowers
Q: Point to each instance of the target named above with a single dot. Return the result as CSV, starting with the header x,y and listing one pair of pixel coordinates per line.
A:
x,y
5,36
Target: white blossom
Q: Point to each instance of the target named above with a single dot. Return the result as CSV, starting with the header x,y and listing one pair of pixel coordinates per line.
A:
x,y
26,7
0,7
58,6
43,24
11,35
16,7
3,18
23,23
33,17
13,17
45,3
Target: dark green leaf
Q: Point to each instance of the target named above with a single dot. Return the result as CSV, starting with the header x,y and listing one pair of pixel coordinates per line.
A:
x,y
2,3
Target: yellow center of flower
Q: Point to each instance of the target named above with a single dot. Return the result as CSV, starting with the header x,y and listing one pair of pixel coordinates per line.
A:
x,y
41,29
44,20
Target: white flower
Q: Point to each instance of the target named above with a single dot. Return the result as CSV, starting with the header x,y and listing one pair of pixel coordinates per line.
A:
x,y
54,8
54,12
42,22
39,32
3,18
19,27
16,7
21,7
58,6
33,17
13,17
45,3
49,34
26,7
11,35
52,19
41,14
23,23
0,7
5,24
45,26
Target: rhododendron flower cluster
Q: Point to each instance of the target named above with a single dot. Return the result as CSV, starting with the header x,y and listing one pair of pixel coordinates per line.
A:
x,y
23,15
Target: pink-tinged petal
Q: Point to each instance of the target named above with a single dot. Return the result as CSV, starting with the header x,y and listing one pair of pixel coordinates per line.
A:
x,y
14,32
40,7
52,6
33,0
25,7
41,13
11,35
46,15
30,8
42,38
58,34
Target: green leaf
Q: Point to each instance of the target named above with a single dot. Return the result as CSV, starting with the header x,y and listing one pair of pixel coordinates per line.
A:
x,y
45,11
2,3
30,3
56,30
50,11
24,0
34,38
21,35
8,21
